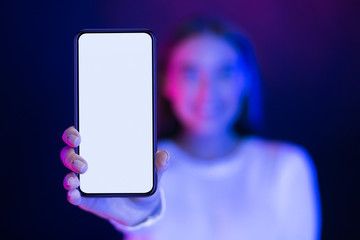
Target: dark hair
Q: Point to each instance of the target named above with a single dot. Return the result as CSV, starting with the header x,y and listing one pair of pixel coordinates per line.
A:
x,y
250,120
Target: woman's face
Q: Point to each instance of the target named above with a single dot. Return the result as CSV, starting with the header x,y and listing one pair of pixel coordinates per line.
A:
x,y
205,84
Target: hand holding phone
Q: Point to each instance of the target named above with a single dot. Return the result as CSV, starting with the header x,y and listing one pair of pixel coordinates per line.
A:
x,y
115,114
128,211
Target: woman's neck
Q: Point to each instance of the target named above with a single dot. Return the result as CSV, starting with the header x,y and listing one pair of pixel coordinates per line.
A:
x,y
209,146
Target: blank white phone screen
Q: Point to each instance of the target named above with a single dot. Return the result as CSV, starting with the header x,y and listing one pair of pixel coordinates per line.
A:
x,y
115,112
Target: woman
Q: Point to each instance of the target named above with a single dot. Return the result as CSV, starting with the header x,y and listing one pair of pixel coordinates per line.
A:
x,y
221,183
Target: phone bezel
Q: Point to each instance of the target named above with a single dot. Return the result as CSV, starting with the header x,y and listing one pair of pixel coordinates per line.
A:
x,y
154,115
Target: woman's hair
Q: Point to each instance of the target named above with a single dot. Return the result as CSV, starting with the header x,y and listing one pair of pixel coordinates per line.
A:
x,y
250,119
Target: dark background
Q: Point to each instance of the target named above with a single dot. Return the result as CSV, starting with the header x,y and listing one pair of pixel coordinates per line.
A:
x,y
308,53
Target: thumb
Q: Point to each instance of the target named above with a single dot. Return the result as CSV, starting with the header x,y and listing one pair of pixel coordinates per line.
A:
x,y
161,162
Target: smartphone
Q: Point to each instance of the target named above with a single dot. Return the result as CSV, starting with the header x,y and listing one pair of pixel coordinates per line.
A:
x,y
115,110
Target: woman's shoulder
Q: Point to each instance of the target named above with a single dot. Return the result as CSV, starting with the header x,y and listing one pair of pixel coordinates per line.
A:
x,y
286,155
274,146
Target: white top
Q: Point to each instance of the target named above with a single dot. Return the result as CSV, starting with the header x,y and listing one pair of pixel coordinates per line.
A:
x,y
262,190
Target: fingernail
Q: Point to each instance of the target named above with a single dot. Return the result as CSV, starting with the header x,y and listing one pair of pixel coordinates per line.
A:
x,y
79,165
73,139
71,181
74,197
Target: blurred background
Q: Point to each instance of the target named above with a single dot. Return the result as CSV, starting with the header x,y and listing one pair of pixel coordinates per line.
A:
x,y
308,53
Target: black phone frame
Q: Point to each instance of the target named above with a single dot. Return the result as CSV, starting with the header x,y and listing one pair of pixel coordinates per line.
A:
x,y
154,106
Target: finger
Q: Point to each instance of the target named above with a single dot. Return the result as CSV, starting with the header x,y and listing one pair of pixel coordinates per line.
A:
x,y
74,197
71,181
161,162
73,161
87,204
71,137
